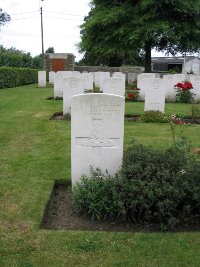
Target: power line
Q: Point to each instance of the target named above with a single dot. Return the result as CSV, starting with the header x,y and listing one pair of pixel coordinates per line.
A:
x,y
61,13
26,18
23,13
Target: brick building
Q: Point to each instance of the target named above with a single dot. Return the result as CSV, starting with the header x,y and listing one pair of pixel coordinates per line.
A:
x,y
59,62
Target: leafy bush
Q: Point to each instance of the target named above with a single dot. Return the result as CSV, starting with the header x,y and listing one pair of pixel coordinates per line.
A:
x,y
153,187
12,77
152,116
93,196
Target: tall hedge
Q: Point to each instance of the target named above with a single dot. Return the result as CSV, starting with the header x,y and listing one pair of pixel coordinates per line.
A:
x,y
12,77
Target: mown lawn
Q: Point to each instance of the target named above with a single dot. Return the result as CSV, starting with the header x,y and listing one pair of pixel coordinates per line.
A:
x,y
34,153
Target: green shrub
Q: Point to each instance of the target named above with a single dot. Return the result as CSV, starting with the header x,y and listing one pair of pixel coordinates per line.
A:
x,y
12,77
93,196
153,187
152,116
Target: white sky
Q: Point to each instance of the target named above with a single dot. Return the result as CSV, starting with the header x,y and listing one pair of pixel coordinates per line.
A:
x,y
61,20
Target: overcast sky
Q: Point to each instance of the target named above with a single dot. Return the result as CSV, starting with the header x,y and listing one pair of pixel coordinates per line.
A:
x,y
61,20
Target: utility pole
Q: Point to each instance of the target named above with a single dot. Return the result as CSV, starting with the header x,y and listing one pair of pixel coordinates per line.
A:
x,y
42,36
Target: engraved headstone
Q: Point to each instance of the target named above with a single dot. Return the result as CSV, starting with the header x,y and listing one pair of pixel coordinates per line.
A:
x,y
142,82
155,95
71,86
114,85
42,79
97,130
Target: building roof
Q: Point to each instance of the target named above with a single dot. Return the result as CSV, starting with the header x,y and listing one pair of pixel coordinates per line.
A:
x,y
171,60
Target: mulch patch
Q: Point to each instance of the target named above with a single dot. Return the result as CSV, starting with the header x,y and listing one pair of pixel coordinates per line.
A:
x,y
59,215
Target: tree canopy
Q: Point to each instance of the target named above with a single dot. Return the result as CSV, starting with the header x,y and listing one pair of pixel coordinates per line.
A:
x,y
121,29
4,17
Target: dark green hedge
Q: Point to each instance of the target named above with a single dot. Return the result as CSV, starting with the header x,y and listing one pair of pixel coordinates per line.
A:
x,y
12,77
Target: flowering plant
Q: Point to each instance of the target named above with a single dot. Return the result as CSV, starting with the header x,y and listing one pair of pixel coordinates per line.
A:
x,y
184,95
133,93
177,126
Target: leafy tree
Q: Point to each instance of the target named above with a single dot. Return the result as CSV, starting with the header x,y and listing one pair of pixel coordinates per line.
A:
x,y
50,50
12,57
119,27
4,17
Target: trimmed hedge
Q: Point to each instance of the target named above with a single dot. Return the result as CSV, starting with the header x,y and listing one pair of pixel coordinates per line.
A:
x,y
12,77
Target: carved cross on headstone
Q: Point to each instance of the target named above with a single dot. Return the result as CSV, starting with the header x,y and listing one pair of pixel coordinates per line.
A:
x,y
97,142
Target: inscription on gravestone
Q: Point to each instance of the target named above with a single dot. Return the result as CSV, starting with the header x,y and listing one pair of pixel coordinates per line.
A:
x,y
97,126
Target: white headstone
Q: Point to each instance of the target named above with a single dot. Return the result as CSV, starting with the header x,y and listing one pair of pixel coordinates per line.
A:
x,y
155,95
99,77
42,78
87,81
120,75
114,85
58,82
132,77
51,77
71,86
170,81
76,74
103,76
142,82
97,133
195,80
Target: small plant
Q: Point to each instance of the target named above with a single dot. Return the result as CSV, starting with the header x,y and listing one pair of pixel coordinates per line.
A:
x,y
133,93
195,112
152,116
177,127
184,94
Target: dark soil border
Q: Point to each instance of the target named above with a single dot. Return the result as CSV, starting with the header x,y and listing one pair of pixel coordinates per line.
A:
x,y
59,215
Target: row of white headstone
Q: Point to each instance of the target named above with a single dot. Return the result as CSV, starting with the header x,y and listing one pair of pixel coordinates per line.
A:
x,y
67,84
153,90
42,76
167,83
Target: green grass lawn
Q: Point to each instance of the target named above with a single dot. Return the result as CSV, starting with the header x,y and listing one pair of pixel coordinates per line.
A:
x,y
34,153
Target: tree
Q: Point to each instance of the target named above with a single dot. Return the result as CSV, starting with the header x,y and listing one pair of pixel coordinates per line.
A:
x,y
118,27
4,17
50,50
12,57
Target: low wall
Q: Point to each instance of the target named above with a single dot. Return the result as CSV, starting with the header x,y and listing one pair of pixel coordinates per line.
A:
x,y
109,69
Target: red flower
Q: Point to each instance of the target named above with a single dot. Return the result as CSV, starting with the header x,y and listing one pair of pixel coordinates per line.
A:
x,y
131,95
178,121
180,85
188,85
138,89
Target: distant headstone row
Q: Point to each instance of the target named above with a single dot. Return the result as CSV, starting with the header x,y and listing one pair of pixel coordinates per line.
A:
x,y
153,90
